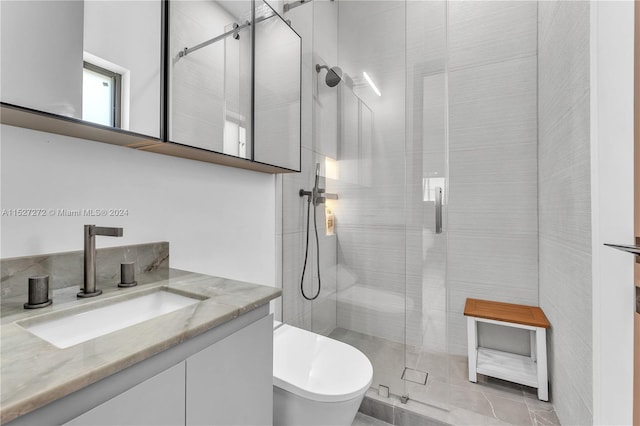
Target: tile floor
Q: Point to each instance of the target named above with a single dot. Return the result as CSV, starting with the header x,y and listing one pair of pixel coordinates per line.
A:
x,y
448,390
364,420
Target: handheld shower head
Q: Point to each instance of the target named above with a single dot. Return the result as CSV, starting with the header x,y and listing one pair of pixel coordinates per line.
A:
x,y
334,75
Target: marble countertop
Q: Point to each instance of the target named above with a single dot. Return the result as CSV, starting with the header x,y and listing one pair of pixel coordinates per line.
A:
x,y
34,373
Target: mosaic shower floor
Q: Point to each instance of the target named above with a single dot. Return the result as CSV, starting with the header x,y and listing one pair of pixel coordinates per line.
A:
x,y
448,395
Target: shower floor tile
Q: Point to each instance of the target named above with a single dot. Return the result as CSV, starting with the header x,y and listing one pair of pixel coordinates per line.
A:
x,y
490,401
364,420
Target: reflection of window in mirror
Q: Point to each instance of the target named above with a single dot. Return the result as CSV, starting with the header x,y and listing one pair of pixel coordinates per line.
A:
x,y
101,94
234,141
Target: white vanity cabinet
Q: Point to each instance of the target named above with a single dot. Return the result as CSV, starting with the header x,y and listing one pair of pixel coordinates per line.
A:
x,y
222,376
158,401
212,387
230,383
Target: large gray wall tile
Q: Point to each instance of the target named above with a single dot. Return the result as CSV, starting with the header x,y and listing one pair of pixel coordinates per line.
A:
x,y
493,258
493,105
564,62
492,218
490,31
565,204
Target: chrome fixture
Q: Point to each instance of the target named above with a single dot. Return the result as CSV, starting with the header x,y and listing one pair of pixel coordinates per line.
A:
x,y
438,191
235,32
318,196
127,274
383,391
312,196
288,6
90,232
38,292
334,75
292,5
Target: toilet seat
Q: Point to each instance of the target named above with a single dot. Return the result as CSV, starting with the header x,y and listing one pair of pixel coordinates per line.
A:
x,y
318,368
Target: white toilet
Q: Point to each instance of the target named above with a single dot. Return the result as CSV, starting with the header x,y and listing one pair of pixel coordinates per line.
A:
x,y
316,380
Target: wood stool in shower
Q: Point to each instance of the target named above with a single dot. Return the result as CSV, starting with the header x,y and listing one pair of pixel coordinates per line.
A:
x,y
526,370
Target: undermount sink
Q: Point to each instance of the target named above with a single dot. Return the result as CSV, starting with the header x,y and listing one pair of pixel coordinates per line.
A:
x,y
80,326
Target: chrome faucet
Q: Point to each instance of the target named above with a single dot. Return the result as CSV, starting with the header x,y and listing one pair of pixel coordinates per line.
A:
x,y
90,232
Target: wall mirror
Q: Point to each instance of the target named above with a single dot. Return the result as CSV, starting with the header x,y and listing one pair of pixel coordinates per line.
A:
x,y
210,75
97,61
210,80
277,90
232,91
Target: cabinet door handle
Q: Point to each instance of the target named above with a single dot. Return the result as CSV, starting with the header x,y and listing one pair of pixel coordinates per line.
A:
x,y
438,210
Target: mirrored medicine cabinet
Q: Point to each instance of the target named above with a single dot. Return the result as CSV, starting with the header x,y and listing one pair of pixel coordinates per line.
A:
x,y
210,80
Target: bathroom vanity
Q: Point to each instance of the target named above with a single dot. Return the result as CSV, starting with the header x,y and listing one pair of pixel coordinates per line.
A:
x,y
200,364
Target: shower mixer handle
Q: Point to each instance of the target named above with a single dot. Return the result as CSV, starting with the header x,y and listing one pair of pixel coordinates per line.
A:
x,y
313,196
327,195
317,195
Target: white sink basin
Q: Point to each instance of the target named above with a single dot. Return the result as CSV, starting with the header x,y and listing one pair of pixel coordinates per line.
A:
x,y
77,327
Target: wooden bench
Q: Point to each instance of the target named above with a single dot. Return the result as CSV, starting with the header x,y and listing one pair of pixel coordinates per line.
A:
x,y
529,371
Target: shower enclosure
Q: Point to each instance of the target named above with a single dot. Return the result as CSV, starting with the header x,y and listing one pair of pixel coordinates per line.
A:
x,y
380,260
429,142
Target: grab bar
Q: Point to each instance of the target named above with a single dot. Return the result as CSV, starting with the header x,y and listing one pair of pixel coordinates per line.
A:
x,y
438,194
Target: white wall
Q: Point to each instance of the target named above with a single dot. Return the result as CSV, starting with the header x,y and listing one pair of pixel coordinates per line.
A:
x,y
42,55
218,220
612,209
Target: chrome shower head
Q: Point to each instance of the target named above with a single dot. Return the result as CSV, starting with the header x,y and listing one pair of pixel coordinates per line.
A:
x,y
334,75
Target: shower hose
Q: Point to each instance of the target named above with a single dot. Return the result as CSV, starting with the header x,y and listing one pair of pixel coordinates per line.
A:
x,y
306,251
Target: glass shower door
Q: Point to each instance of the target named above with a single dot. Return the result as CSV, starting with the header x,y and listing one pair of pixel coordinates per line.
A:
x,y
370,216
427,194
371,245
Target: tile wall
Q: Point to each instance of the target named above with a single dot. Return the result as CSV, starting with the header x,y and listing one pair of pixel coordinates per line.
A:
x,y
565,204
316,22
492,204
